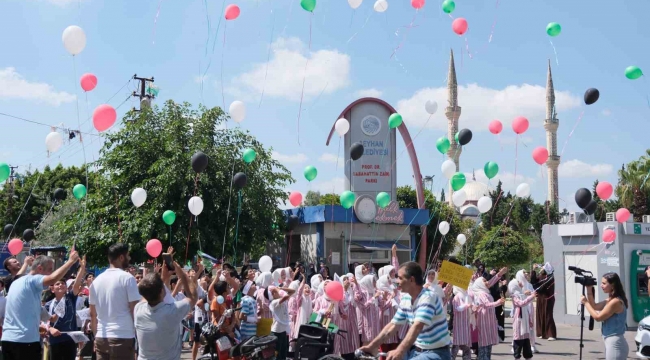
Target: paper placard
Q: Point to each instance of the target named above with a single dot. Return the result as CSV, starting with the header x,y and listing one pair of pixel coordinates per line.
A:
x,y
77,336
336,258
455,274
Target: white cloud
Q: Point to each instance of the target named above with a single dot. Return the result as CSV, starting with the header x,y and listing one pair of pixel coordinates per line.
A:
x,y
330,158
606,112
327,71
578,169
15,86
335,185
368,93
289,159
481,105
508,180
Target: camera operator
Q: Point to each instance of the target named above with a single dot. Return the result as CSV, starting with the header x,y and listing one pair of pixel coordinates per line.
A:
x,y
612,313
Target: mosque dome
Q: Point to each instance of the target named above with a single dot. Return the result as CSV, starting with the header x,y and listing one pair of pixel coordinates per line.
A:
x,y
474,191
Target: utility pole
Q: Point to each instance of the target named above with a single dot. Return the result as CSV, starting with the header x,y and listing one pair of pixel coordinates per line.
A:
x,y
10,194
144,96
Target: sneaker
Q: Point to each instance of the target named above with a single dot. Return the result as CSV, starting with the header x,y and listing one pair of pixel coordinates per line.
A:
x,y
552,339
460,352
534,350
512,350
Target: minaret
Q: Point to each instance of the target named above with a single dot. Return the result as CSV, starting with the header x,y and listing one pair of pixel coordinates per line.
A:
x,y
551,123
453,113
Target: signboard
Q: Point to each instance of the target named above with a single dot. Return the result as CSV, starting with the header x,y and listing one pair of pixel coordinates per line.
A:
x,y
336,258
455,274
391,214
637,229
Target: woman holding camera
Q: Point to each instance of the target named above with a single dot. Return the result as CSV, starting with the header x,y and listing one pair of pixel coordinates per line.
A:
x,y
612,313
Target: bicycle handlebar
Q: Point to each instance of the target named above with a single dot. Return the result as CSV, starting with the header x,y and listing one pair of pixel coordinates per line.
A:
x,y
365,356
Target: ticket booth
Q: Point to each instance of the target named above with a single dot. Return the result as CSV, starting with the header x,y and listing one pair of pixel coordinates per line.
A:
x,y
640,301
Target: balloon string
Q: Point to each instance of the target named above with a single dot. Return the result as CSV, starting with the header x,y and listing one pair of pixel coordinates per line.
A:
x,y
155,22
338,152
223,51
170,235
555,51
302,93
268,58
207,18
21,211
225,231
469,53
189,228
408,28
237,227
119,224
288,258
571,133
516,157
364,25
413,140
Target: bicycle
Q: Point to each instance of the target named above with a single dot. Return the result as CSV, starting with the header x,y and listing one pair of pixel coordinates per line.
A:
x,y
360,355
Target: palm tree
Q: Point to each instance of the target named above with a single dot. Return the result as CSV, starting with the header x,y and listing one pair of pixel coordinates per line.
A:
x,y
633,188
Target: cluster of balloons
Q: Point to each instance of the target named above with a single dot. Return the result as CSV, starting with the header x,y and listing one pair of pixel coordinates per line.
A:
x,y
462,137
604,190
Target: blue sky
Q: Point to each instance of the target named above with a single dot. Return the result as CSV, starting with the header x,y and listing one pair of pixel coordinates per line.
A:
x,y
502,79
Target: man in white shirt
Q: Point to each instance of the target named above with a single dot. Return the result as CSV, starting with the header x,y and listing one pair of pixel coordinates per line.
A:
x,y
113,296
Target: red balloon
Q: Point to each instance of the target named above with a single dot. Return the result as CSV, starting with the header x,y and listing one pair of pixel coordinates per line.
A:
x,y
232,12
540,155
459,26
622,215
334,290
154,248
520,125
88,82
295,198
495,127
604,190
104,117
15,246
418,4
609,236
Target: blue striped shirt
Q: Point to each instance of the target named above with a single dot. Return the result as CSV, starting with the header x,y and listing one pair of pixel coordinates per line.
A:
x,y
426,309
249,308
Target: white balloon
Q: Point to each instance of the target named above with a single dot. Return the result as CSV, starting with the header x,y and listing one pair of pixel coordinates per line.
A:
x,y
484,204
196,205
237,111
448,168
355,3
139,196
431,107
265,264
523,190
443,227
53,141
74,39
342,126
381,6
459,197
461,239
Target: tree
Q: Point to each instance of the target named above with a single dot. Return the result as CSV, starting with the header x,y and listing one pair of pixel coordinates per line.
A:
x,y
312,198
502,246
330,199
633,189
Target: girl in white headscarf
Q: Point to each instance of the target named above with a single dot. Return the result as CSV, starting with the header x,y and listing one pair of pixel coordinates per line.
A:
x,y
523,320
263,281
463,318
348,315
486,318
316,280
299,306
527,289
359,272
277,277
388,308
370,309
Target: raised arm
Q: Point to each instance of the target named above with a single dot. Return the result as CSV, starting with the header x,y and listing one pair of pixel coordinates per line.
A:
x,y
27,263
78,282
187,283
60,272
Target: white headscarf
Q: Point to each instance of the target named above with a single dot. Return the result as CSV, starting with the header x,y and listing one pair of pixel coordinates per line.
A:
x,y
478,288
315,281
358,272
276,277
514,289
548,268
305,309
367,283
517,291
294,286
521,278
264,280
383,284
385,270
347,294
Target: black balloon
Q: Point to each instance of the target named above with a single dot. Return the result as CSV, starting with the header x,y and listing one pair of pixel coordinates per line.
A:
x,y
28,235
590,209
591,96
464,136
60,194
356,151
8,229
199,161
583,197
240,180
293,222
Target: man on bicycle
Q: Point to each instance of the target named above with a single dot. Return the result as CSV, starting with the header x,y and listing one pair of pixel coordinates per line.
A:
x,y
428,335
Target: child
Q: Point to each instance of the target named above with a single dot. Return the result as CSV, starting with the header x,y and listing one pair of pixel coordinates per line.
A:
x,y
278,298
248,314
522,324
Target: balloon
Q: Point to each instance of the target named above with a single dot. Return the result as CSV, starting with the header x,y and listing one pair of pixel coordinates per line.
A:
x,y
590,209
237,111
591,96
540,155
295,198
458,181
583,197
484,204
380,6
459,26
431,107
308,5
334,290
220,299
395,120
417,4
443,145
310,172
553,29
104,117
53,141
199,161
604,190
443,227
347,199
354,4
138,197
491,169
240,179
232,12
60,194
28,235
15,246
342,126
79,191
169,217
356,151
609,236
622,215
520,125
265,263
383,199
292,222
456,137
249,155
448,6
459,197
195,205
495,126
74,39
88,82
448,168
633,72
523,190
464,137
461,238
9,228
5,171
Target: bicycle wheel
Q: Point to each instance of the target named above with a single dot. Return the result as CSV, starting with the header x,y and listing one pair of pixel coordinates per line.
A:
x,y
331,357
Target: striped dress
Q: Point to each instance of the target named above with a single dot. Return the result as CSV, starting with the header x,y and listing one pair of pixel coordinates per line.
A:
x,y
263,310
462,312
486,319
295,302
388,310
517,321
348,322
370,310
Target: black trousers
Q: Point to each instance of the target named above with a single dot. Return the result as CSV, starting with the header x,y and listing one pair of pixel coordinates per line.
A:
x,y
21,351
282,345
520,346
501,321
66,350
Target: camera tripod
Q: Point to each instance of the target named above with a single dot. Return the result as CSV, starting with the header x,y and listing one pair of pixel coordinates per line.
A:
x,y
582,320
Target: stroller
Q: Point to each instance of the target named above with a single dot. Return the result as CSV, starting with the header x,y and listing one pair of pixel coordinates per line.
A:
x,y
315,342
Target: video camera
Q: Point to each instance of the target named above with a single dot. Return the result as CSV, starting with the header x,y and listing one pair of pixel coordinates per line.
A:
x,y
582,278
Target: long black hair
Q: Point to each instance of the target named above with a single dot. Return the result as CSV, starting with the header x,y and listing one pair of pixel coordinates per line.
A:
x,y
614,280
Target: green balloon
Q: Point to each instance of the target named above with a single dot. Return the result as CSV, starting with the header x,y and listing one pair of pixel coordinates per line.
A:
x,y
395,120
347,199
458,181
448,6
79,191
491,169
383,199
308,5
443,145
249,155
5,171
553,29
169,217
310,173
633,72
